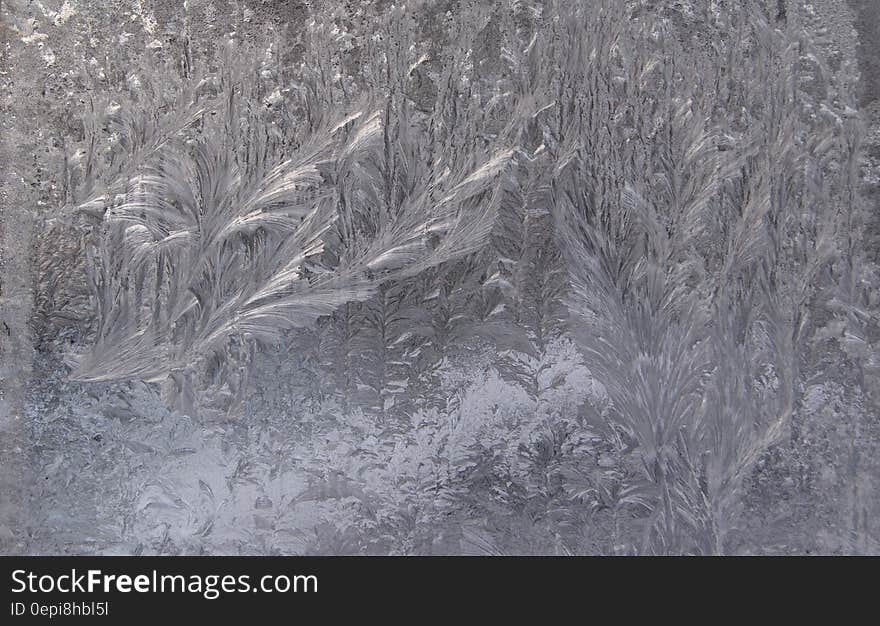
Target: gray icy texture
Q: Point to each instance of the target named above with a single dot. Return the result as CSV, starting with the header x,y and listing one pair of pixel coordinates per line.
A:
x,y
488,277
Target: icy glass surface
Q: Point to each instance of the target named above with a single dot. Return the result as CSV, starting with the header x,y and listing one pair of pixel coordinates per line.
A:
x,y
489,277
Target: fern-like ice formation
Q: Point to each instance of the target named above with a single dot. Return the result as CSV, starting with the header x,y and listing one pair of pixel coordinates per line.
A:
x,y
217,244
